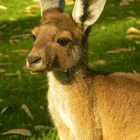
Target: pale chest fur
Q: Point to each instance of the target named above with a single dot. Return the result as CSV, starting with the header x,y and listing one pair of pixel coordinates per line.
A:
x,y
74,106
60,99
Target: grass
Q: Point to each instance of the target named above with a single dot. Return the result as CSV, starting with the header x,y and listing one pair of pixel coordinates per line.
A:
x,y
18,86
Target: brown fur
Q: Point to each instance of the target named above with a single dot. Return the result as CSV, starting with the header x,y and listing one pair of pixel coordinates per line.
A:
x,y
83,106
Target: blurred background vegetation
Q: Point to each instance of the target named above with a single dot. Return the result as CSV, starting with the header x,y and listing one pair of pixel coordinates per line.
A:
x,y
114,46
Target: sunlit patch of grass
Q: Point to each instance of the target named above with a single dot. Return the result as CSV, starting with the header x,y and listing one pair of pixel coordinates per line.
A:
x,y
52,135
111,34
17,9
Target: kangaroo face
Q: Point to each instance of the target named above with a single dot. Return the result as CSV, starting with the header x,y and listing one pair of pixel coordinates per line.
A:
x,y
57,44
59,37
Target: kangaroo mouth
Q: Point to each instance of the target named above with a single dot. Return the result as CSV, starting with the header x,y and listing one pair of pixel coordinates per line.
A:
x,y
38,67
35,68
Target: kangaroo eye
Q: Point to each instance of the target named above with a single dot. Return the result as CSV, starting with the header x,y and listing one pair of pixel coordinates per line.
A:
x,y
33,36
63,41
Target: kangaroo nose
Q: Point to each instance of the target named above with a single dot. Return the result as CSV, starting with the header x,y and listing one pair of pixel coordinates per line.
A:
x,y
33,59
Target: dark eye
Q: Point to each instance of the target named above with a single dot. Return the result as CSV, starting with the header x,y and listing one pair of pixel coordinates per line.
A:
x,y
33,36
63,41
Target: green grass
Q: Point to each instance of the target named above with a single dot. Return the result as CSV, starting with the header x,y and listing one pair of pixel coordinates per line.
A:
x,y
18,86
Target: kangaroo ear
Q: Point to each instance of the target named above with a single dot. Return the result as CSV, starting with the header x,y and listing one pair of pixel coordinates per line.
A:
x,y
86,12
51,4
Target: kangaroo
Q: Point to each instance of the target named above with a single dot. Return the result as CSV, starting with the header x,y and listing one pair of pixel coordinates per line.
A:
x,y
84,105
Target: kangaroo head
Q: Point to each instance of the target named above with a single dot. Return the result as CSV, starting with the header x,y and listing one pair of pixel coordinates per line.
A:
x,y
59,40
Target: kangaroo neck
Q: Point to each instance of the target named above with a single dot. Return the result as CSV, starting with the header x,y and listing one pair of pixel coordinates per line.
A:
x,y
69,76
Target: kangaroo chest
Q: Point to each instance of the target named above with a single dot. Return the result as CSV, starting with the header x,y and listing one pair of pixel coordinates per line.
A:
x,y
73,105
61,100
